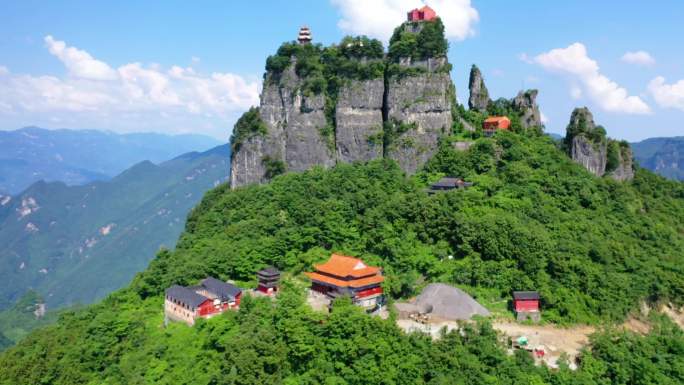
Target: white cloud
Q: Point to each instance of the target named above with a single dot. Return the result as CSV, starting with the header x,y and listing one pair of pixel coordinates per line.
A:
x,y
544,118
130,97
525,58
378,18
667,95
575,92
79,63
574,62
641,58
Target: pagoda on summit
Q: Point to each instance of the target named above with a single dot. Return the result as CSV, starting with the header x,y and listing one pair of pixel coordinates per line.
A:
x,y
304,35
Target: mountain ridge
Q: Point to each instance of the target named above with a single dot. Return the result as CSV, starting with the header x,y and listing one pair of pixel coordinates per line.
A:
x,y
81,156
55,233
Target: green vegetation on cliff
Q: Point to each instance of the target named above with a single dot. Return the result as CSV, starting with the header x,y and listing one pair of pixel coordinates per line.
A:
x,y
249,125
593,247
418,41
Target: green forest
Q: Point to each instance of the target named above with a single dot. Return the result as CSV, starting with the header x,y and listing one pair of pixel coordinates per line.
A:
x,y
594,248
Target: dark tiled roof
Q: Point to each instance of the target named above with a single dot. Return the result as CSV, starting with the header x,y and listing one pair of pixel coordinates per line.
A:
x,y
523,295
186,296
450,182
269,271
223,290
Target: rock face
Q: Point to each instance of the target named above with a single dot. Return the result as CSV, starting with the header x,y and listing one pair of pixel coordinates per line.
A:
x,y
358,118
419,113
590,155
625,168
588,145
526,103
416,108
347,103
295,122
479,96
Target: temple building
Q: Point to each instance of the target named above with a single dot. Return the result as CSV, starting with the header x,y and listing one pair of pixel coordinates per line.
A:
x,y
269,279
423,14
349,276
209,298
448,183
494,123
304,35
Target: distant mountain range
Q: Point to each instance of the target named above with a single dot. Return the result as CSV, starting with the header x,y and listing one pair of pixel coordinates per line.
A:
x,y
664,156
75,244
77,157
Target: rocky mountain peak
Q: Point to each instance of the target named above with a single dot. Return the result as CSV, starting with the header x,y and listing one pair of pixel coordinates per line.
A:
x,y
526,104
348,102
479,96
589,146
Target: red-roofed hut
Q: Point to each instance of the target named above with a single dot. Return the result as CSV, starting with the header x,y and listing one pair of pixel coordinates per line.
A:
x,y
423,14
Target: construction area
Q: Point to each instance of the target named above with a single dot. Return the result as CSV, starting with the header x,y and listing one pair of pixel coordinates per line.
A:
x,y
438,306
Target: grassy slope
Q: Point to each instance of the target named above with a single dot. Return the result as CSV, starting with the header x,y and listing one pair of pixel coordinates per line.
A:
x,y
594,247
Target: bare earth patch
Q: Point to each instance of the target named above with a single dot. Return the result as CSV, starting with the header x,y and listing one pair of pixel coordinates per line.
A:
x,y
553,339
676,315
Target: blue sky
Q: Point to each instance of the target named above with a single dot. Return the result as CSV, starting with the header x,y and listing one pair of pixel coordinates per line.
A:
x,y
178,66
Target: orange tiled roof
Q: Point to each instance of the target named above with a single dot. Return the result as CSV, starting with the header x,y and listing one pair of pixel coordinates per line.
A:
x,y
361,282
497,119
343,266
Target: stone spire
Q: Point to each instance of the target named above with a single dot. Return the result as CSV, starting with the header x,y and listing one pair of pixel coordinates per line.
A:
x,y
479,96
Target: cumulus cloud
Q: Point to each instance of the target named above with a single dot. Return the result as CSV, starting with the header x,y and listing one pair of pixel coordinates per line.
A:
x,y
78,62
378,18
574,62
667,95
641,58
125,97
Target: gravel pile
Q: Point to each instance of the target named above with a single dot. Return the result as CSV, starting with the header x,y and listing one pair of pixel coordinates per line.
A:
x,y
446,302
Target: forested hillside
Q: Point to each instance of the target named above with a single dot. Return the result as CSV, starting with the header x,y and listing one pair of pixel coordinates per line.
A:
x,y
76,244
595,249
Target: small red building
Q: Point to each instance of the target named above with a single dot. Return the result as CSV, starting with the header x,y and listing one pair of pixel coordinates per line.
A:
x,y
423,14
526,305
494,123
348,276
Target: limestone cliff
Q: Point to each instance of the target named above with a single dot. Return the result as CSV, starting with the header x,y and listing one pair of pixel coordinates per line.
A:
x,y
526,105
589,146
586,141
359,122
624,169
418,113
348,102
479,96
293,140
